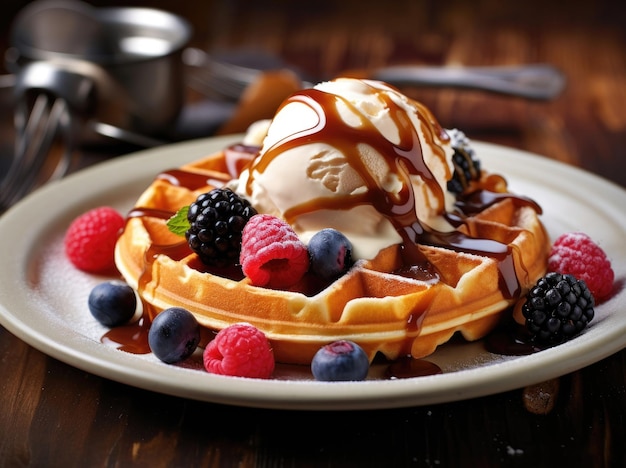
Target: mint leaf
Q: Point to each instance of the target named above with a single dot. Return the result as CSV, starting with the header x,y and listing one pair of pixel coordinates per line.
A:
x,y
178,224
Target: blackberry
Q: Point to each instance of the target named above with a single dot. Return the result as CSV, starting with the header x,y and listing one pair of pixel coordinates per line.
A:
x,y
557,308
466,164
216,220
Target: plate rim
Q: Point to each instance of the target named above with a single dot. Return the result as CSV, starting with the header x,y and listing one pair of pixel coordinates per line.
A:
x,y
281,394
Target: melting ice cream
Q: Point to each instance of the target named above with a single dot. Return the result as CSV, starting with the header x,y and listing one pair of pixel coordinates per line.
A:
x,y
355,155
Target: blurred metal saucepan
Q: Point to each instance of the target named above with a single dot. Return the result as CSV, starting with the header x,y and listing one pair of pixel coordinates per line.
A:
x,y
131,57
79,72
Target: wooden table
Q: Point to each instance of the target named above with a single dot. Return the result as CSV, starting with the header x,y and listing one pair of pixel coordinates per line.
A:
x,y
52,414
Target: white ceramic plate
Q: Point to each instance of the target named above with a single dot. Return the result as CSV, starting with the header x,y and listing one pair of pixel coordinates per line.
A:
x,y
43,299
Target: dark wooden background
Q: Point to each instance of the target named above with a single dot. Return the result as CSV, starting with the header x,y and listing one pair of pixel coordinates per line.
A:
x,y
54,415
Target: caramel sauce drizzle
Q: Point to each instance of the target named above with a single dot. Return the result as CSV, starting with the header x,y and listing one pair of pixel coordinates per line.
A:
x,y
404,159
180,178
133,337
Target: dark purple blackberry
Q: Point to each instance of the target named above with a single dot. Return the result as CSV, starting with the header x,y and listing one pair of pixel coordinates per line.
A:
x,y
466,164
216,220
557,308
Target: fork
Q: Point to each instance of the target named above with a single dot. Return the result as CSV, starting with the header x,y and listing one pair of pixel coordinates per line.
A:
x,y
36,129
216,76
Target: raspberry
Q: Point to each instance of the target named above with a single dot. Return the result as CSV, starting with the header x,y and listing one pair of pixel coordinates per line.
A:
x,y
240,350
271,253
466,164
216,220
90,239
578,255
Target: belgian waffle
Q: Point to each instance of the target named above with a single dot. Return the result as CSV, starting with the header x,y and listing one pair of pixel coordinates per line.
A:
x,y
382,304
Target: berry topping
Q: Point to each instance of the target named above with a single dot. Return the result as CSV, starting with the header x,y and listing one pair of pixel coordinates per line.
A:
x,y
578,255
215,222
557,308
330,254
90,239
174,335
271,253
240,350
112,303
339,361
466,164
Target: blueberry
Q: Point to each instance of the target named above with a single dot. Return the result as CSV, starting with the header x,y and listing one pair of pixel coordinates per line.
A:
x,y
174,335
112,303
341,360
330,254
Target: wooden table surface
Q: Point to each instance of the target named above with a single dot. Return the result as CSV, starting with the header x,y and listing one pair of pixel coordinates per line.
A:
x,y
52,414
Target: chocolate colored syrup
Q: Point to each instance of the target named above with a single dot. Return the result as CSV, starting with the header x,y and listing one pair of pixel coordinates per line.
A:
x,y
238,156
131,338
407,367
479,200
425,272
138,212
190,180
511,339
405,160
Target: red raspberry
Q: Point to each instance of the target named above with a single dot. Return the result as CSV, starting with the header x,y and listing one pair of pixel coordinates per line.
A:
x,y
90,239
271,253
240,350
578,255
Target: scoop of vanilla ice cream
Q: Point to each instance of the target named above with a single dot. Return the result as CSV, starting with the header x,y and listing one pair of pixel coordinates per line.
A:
x,y
349,154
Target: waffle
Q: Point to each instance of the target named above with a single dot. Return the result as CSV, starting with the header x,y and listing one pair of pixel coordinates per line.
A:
x,y
382,304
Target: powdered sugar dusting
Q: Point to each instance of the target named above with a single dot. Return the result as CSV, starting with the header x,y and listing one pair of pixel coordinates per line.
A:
x,y
64,290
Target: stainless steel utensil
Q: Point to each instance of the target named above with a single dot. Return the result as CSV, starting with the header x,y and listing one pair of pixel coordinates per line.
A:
x,y
79,71
228,77
534,81
36,128
133,56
